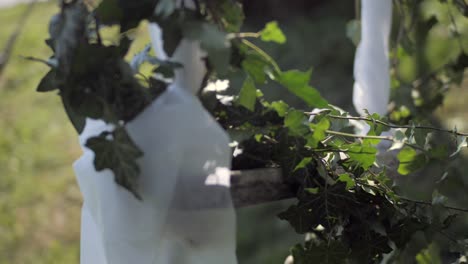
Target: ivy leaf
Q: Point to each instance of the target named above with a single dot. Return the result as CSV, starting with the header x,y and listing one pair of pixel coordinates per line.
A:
x,y
295,123
364,155
297,82
429,255
304,162
273,33
346,178
371,141
329,206
248,95
402,231
231,12
255,67
410,160
420,136
301,220
165,68
332,252
78,121
366,243
439,152
116,151
319,133
48,82
109,12
312,190
280,107
127,14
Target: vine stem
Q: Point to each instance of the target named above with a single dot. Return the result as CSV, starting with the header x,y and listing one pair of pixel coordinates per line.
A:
x,y
393,126
336,133
263,53
388,138
243,35
430,204
421,202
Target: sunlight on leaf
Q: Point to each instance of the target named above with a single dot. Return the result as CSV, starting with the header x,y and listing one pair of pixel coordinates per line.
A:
x,y
247,95
273,33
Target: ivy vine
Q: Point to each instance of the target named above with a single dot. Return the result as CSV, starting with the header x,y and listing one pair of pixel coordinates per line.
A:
x,y
351,206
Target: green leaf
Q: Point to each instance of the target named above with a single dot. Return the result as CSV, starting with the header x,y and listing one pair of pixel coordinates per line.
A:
x,y
364,155
346,178
109,12
297,82
319,133
366,243
127,14
273,33
439,152
117,151
280,107
304,162
165,68
247,95
420,136
295,122
327,207
410,160
301,220
399,136
312,190
78,121
430,255
48,82
371,141
256,67
232,14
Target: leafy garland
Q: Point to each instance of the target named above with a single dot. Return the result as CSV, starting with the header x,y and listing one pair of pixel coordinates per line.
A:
x,y
350,204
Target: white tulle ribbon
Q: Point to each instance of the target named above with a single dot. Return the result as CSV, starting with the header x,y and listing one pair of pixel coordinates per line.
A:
x,y
186,215
371,65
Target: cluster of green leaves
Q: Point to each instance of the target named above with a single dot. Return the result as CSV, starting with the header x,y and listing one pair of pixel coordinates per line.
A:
x,y
348,203
353,203
94,81
354,199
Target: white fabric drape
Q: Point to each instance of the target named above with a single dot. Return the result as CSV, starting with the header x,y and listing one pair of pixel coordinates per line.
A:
x,y
371,64
186,215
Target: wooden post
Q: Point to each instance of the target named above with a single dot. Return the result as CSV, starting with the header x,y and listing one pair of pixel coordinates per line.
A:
x,y
251,187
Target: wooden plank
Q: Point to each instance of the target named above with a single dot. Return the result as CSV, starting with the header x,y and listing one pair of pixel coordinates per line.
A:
x,y
251,187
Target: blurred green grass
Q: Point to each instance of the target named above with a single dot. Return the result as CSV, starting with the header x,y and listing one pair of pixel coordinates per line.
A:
x,y
39,198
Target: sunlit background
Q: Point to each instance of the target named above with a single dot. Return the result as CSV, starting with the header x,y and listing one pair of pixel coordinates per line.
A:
x,y
39,199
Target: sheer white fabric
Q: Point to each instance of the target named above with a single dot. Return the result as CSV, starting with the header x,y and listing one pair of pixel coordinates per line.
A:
x,y
371,65
186,215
